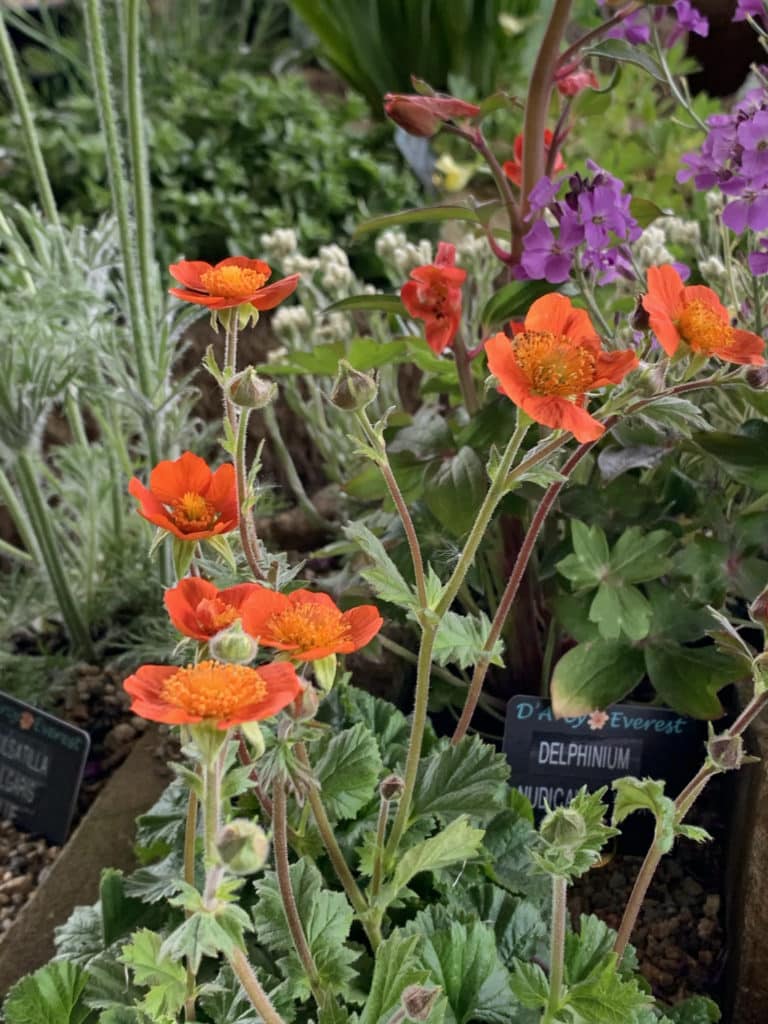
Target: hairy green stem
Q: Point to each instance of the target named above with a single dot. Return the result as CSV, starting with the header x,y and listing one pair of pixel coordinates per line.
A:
x,y
466,380
31,138
335,853
282,866
39,517
381,839
492,498
557,947
418,724
683,804
393,487
137,142
137,316
252,988
537,101
190,844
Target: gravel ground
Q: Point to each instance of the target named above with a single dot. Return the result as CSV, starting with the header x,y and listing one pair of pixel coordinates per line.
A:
x,y
95,701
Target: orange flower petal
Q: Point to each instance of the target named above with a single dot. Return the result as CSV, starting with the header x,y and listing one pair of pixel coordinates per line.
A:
x,y
202,299
222,492
700,293
612,367
187,272
747,349
503,365
258,609
555,313
514,171
247,264
560,413
364,623
303,596
273,294
181,604
170,480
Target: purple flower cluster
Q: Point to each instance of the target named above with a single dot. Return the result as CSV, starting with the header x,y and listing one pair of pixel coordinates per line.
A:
x,y
593,219
636,29
734,157
748,9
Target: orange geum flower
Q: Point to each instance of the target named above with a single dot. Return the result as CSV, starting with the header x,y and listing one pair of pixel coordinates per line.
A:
x,y
308,626
235,281
514,168
693,314
213,692
198,609
552,362
434,295
187,499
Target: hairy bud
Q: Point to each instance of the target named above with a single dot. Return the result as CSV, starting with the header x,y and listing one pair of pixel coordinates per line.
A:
x,y
304,707
418,1001
391,788
243,846
233,645
758,610
726,752
352,390
757,377
250,391
563,828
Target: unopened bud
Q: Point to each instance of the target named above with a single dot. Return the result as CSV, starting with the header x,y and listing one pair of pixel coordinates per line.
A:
x,y
233,645
250,391
418,1001
352,390
641,319
725,752
391,788
243,846
757,377
304,708
563,828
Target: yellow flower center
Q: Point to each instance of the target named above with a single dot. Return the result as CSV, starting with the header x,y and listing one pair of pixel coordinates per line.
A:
x,y
307,625
214,690
703,328
192,513
232,282
553,364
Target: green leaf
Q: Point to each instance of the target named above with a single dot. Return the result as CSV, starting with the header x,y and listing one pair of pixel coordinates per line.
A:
x,y
742,456
454,490
468,778
694,1010
689,678
119,913
626,53
397,966
587,949
326,918
348,770
383,575
165,978
530,985
51,994
419,215
225,1001
462,959
646,212
371,303
222,548
388,724
593,675
458,841
81,937
589,563
646,795
517,923
513,299
183,553
606,999
461,639
693,832
638,556
620,609
206,932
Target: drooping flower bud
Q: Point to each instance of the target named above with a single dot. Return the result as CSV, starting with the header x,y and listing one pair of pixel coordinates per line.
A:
x,y
424,115
391,788
418,1001
250,391
233,645
243,846
352,390
758,610
304,707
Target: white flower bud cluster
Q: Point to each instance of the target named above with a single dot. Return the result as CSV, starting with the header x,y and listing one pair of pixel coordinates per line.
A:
x,y
336,276
650,249
469,249
334,327
399,255
291,320
279,244
298,264
681,232
715,201
712,269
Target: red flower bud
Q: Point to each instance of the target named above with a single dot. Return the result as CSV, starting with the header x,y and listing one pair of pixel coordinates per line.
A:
x,y
423,115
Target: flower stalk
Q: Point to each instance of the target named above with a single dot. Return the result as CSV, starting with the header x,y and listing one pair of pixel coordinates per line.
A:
x,y
557,947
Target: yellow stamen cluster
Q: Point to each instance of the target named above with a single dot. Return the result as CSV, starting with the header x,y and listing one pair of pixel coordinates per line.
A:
x,y
192,513
214,690
703,328
216,613
553,364
306,626
232,282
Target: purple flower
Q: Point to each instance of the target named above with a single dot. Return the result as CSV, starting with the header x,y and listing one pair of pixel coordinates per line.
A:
x,y
689,19
748,9
545,257
635,29
542,194
758,261
752,135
